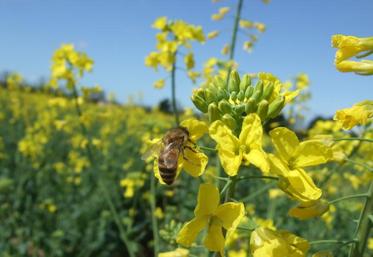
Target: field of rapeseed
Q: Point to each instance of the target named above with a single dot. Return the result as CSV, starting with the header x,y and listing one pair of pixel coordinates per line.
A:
x,y
84,176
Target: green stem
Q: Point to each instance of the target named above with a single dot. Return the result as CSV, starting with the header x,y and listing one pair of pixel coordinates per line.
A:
x,y
348,197
360,164
354,139
258,192
154,219
173,91
364,226
257,177
331,241
102,187
207,148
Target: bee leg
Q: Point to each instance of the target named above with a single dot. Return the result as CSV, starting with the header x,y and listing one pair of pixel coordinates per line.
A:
x,y
190,148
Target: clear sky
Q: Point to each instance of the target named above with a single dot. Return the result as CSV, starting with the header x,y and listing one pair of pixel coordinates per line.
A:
x,y
118,35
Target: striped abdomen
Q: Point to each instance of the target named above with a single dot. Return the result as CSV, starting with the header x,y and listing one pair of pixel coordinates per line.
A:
x,y
167,164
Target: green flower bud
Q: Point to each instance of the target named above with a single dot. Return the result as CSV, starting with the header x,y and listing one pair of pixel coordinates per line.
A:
x,y
234,96
262,109
219,82
258,91
222,94
199,92
213,112
249,91
229,121
210,95
234,82
224,106
199,103
275,107
239,109
267,91
245,82
241,95
250,106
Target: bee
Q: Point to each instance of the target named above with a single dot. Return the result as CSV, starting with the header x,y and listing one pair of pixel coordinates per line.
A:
x,y
169,149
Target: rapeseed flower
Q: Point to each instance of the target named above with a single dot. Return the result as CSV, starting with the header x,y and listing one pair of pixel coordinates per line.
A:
x,y
358,114
269,243
246,149
213,216
292,156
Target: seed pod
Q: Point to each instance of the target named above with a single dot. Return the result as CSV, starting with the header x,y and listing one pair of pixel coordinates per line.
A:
x,y
249,91
199,103
234,82
229,121
245,82
275,107
262,109
250,106
224,106
213,112
267,91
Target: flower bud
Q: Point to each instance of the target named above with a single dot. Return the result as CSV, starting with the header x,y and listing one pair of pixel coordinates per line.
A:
x,y
241,95
267,91
210,95
245,82
213,112
250,106
222,93
239,109
219,82
234,82
199,103
262,109
234,96
258,91
224,106
229,121
275,107
249,91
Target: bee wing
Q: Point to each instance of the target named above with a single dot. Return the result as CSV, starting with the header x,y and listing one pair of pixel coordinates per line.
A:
x,y
172,157
152,150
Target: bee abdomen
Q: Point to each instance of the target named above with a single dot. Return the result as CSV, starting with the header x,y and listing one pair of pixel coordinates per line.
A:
x,y
167,175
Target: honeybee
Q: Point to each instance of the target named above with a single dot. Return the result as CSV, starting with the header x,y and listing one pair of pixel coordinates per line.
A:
x,y
169,149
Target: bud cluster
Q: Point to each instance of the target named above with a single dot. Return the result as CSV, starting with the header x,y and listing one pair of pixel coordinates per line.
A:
x,y
233,101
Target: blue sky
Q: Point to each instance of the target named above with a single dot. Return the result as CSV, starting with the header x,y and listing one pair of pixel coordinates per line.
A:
x,y
118,36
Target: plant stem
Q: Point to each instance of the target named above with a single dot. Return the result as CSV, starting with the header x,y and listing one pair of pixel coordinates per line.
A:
x,y
154,219
331,241
207,148
173,91
101,186
347,197
354,138
364,226
360,164
257,177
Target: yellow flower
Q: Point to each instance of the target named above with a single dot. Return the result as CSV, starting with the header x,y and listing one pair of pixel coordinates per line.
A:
x,y
292,156
350,46
239,253
246,24
358,114
179,252
189,61
225,49
221,14
191,160
213,216
158,213
260,26
159,84
310,210
193,75
247,148
152,60
213,34
270,243
160,23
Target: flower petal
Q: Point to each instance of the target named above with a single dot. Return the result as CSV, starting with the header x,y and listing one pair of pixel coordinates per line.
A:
x,y
208,200
285,142
230,214
310,153
258,158
194,162
278,167
307,211
252,131
190,231
215,240
228,147
195,128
